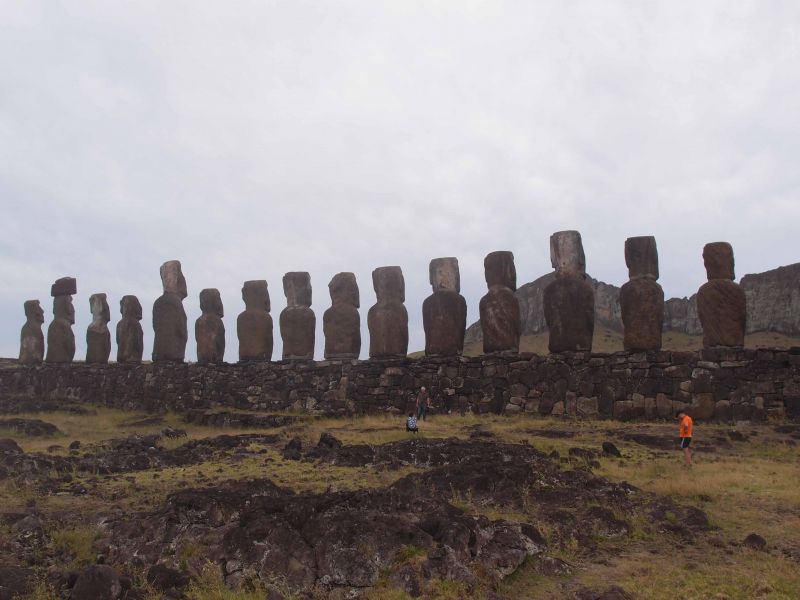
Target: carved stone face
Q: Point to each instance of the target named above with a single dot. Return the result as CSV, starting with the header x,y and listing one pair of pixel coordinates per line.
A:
x,y
297,287
172,278
500,270
566,253
641,257
344,289
718,258
99,307
130,308
255,294
389,284
63,308
444,275
211,303
34,312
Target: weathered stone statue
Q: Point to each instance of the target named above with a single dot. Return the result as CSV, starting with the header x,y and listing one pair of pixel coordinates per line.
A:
x,y
169,317
209,330
254,325
388,318
444,313
31,338
60,339
721,303
569,300
641,298
297,320
499,308
130,337
341,323
98,337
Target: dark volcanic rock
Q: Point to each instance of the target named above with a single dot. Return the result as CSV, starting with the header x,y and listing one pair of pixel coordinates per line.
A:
x,y
755,541
15,582
30,427
98,582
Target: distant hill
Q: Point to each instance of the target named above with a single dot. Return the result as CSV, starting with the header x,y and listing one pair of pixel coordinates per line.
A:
x,y
773,315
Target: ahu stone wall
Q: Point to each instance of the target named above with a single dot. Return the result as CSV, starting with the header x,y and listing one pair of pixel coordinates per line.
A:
x,y
715,384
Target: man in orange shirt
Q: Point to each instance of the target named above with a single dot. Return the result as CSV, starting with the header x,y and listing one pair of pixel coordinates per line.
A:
x,y
685,432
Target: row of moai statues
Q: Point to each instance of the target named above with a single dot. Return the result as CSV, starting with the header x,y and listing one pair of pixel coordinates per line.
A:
x,y
568,307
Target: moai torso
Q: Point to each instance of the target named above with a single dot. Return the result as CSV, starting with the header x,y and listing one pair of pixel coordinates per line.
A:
x,y
209,330
297,320
31,339
499,308
130,337
60,338
569,300
98,337
721,303
341,323
254,324
641,298
444,313
169,317
387,320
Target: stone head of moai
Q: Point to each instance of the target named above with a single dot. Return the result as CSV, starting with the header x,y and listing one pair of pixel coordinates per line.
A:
x,y
34,312
297,288
255,294
444,275
566,253
641,257
63,308
718,258
66,286
130,308
343,289
172,278
98,305
211,302
389,284
499,269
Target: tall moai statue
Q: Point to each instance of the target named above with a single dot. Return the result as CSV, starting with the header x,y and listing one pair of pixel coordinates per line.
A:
x,y
341,323
60,339
444,313
209,330
499,308
31,338
130,337
721,303
169,317
569,299
387,320
297,320
641,298
98,337
254,324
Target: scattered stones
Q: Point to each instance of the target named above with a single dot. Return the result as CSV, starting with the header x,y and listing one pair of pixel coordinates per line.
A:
x,y
444,313
209,330
387,320
641,298
130,337
31,338
569,299
60,338
254,324
721,303
499,308
341,323
98,337
297,320
169,317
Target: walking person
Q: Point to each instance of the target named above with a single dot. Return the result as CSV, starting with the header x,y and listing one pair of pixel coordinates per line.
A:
x,y
422,403
685,432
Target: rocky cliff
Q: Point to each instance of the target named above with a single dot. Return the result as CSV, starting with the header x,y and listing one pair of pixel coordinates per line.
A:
x,y
773,304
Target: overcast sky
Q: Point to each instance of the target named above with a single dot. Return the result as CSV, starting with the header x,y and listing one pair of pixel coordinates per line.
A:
x,y
248,139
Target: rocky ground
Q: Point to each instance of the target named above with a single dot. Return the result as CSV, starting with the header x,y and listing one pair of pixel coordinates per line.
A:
x,y
104,504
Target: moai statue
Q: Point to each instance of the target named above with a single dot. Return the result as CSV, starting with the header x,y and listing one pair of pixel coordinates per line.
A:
x,y
254,325
31,338
444,313
569,300
341,323
169,318
387,320
297,320
130,337
499,308
98,337
641,298
60,339
209,330
721,303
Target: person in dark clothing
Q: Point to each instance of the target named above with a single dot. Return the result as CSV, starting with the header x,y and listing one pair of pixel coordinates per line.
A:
x,y
423,402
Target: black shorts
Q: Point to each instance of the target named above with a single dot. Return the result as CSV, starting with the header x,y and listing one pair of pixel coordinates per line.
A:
x,y
685,442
